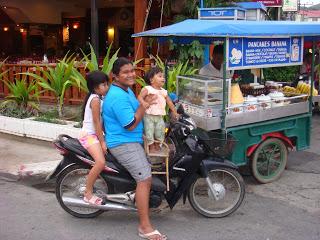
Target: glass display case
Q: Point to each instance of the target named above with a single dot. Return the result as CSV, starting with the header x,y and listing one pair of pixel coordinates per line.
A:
x,y
201,95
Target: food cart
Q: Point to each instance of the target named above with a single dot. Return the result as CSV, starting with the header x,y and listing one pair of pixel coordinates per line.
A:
x,y
265,129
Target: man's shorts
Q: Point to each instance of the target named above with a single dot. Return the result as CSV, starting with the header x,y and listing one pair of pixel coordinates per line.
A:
x,y
134,159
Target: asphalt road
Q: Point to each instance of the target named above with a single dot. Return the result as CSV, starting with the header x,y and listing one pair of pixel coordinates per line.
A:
x,y
27,213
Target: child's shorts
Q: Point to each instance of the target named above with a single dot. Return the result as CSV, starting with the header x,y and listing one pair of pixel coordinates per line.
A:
x,y
88,140
154,128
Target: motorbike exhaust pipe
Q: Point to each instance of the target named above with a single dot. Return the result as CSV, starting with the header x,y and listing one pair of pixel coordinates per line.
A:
x,y
77,202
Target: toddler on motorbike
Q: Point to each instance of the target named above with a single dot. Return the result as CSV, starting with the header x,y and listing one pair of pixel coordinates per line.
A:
x,y
91,135
154,127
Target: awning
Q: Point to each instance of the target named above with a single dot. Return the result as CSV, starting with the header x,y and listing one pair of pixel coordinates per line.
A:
x,y
202,30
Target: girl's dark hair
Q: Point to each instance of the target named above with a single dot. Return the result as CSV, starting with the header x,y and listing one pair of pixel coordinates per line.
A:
x,y
150,74
93,80
119,63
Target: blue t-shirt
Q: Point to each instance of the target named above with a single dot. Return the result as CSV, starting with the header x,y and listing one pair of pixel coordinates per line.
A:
x,y
119,107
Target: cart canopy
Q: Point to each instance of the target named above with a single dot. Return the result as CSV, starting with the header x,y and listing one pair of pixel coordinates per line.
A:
x,y
205,30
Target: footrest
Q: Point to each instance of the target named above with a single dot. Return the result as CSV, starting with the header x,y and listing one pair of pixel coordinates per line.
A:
x,y
164,152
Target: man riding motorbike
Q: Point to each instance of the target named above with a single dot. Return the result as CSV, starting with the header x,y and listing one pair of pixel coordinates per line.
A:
x,y
122,115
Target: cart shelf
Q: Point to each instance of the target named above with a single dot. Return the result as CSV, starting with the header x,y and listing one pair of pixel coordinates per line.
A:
x,y
239,119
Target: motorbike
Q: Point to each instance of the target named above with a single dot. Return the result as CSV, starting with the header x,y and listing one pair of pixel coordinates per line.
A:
x,y
211,183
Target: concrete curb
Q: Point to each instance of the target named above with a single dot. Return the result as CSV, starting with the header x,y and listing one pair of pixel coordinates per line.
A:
x,y
30,171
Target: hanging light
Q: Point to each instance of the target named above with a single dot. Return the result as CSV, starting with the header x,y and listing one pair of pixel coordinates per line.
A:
x,y
6,29
110,34
22,30
75,26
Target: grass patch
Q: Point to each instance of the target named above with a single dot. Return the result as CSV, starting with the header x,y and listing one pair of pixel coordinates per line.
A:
x,y
12,110
50,117
50,120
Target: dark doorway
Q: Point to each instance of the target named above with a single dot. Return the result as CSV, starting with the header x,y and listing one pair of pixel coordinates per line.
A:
x,y
126,42
37,44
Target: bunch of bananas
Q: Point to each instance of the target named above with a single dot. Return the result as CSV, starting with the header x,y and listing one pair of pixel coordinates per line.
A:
x,y
289,89
305,88
302,88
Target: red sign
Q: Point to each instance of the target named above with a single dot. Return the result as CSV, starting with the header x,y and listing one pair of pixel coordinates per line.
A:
x,y
270,3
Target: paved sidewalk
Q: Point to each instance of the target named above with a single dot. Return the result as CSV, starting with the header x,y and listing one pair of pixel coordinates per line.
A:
x,y
25,157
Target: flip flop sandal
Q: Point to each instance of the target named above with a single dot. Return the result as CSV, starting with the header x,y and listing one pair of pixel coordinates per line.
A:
x,y
94,200
151,234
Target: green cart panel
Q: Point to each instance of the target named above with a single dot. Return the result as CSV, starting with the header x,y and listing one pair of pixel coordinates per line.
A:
x,y
297,128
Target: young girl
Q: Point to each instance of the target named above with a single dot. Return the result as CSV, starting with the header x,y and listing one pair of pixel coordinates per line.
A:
x,y
154,126
91,136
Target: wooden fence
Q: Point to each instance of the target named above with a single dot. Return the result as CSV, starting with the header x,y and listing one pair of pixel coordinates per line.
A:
x,y
73,95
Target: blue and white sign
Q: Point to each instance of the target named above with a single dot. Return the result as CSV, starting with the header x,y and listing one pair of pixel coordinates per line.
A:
x,y
222,13
244,53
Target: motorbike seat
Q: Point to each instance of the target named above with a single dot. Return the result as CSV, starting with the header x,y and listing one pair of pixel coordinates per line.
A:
x,y
73,145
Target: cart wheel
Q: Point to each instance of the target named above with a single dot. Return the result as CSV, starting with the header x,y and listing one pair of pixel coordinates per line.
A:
x,y
269,160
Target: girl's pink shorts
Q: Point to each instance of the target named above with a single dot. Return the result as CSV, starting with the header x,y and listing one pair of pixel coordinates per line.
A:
x,y
88,140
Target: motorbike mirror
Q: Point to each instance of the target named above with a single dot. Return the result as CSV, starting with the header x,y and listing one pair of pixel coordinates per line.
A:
x,y
180,109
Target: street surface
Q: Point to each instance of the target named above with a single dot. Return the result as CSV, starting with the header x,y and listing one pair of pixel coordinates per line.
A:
x,y
286,209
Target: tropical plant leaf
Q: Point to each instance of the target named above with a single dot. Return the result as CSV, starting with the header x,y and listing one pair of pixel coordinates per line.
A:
x,y
58,79
94,60
141,81
159,62
1,64
106,58
135,63
111,62
20,93
79,80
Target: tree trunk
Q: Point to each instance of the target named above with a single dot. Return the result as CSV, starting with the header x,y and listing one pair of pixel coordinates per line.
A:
x,y
59,107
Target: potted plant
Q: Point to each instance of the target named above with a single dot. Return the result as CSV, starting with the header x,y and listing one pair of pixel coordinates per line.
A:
x,y
57,80
22,96
21,103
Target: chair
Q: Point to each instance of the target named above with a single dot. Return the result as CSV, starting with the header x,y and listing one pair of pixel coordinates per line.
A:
x,y
163,153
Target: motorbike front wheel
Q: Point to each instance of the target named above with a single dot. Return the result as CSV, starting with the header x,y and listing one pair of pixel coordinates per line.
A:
x,y
71,183
230,190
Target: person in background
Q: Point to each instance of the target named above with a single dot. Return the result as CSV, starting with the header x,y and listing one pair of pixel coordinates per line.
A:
x,y
305,68
91,135
124,136
215,67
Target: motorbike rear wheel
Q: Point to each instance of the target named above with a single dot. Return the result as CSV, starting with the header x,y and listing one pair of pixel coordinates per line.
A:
x,y
230,187
72,183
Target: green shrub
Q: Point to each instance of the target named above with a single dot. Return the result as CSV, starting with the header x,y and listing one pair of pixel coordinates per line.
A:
x,y
22,95
11,110
50,120
50,117
182,68
57,80
281,74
